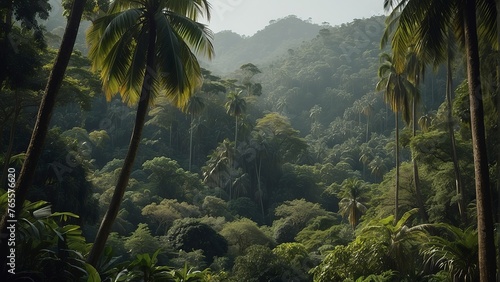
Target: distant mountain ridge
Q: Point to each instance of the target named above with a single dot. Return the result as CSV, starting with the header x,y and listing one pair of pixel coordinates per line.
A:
x,y
233,50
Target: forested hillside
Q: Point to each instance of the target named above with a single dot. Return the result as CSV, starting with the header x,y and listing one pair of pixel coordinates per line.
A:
x,y
234,50
302,153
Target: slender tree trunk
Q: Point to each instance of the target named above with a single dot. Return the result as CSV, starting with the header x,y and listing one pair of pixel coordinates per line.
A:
x,y
236,134
261,194
416,178
498,122
396,190
456,167
486,244
367,127
232,161
123,178
44,115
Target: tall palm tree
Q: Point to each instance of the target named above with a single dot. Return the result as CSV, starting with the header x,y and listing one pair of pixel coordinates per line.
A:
x,y
415,67
397,93
143,48
194,107
44,116
456,167
426,24
236,106
350,205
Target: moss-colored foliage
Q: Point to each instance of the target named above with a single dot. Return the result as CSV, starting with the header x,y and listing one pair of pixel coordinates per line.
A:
x,y
214,206
296,258
167,211
380,246
242,233
245,207
141,241
171,181
259,263
190,234
322,231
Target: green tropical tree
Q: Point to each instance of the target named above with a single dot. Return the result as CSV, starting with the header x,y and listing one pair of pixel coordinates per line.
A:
x,y
454,251
145,268
415,67
400,239
194,107
236,106
249,71
350,206
218,169
44,116
397,94
451,129
427,24
144,48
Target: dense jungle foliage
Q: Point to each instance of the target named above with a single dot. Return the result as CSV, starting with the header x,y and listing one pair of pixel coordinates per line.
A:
x,y
308,153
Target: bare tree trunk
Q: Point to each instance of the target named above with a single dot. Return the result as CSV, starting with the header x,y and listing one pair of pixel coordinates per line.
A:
x,y
486,243
418,192
44,116
498,122
123,178
456,167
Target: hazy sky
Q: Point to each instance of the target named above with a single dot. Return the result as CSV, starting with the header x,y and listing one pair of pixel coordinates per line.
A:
x,y
248,16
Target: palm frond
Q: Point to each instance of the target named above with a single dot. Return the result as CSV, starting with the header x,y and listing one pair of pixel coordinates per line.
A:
x,y
197,35
134,77
190,8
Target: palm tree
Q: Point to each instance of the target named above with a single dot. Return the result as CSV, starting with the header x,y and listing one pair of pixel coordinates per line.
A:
x,y
415,67
401,239
44,116
143,48
397,93
456,168
350,206
367,110
377,167
424,122
194,107
236,106
454,250
426,23
218,170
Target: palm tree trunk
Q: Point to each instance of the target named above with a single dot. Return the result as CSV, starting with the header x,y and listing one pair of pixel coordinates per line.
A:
x,y
232,161
486,244
498,122
396,190
418,192
44,116
236,134
367,127
123,178
456,168
261,194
